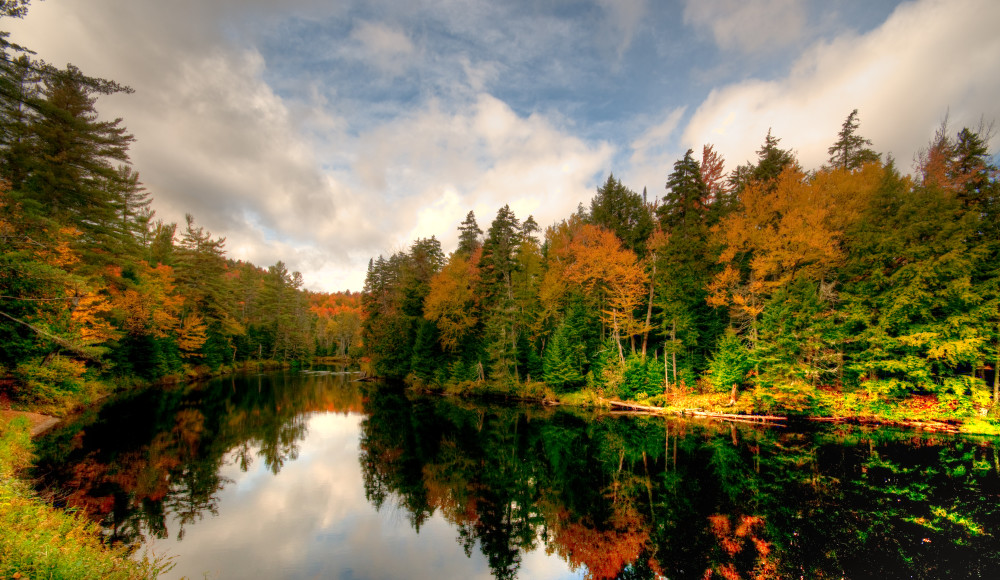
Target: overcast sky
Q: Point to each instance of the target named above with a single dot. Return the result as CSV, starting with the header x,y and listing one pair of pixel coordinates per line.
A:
x,y
322,132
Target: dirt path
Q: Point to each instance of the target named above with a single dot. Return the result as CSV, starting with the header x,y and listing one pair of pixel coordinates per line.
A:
x,y
39,423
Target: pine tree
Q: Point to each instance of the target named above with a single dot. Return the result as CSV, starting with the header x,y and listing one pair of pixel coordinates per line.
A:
x,y
624,212
70,174
469,237
771,161
851,150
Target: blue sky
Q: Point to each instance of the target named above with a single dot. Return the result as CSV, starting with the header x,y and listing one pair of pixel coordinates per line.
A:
x,y
323,133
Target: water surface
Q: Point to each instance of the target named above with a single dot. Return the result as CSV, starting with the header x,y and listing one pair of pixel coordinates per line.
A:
x,y
306,475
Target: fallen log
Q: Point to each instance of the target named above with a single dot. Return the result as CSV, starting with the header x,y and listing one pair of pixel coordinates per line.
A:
x,y
753,419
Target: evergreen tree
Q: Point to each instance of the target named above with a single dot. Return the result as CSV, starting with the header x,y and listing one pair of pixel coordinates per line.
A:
x,y
851,150
500,254
470,236
70,175
684,265
771,161
562,365
909,300
624,212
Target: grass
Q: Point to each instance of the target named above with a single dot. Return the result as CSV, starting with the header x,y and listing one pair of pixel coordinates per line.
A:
x,y
39,541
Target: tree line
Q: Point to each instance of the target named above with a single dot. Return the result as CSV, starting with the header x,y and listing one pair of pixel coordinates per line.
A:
x,y
92,285
855,276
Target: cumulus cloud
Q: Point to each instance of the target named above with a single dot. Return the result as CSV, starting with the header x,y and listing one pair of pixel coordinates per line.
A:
x,y
322,133
929,57
297,179
437,165
748,25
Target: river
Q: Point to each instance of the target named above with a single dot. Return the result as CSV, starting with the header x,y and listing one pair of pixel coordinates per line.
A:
x,y
305,474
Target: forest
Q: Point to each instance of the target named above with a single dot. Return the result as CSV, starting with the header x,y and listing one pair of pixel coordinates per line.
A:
x,y
95,291
853,289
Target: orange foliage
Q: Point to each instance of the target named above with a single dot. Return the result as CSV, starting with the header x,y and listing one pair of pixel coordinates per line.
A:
x,y
788,228
745,536
330,305
713,172
600,265
90,318
605,553
192,335
152,306
452,301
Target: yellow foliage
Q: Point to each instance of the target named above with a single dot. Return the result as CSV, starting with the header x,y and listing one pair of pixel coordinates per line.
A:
x,y
90,317
192,335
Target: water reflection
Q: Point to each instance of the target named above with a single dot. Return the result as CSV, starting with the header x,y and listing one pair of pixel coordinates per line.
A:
x,y
305,475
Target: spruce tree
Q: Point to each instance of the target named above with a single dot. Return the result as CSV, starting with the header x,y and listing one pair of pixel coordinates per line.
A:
x,y
470,235
851,150
624,212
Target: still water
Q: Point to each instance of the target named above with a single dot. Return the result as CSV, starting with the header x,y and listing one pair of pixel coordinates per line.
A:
x,y
309,475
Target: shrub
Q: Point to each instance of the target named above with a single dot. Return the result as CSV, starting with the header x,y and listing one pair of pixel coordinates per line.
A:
x,y
57,382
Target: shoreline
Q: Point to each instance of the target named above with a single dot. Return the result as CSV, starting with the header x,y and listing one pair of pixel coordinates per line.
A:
x,y
715,406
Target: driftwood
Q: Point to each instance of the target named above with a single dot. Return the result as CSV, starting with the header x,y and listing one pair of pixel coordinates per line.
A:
x,y
756,419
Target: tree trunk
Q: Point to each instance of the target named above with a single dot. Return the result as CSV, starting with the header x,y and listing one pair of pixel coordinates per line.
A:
x,y
617,336
666,373
996,377
673,349
649,312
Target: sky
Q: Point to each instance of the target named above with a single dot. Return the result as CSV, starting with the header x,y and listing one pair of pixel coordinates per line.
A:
x,y
323,133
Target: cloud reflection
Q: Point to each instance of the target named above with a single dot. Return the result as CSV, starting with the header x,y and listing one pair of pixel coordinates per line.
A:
x,y
311,520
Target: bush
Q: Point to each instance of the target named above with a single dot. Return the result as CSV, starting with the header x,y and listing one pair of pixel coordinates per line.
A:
x,y
59,382
639,378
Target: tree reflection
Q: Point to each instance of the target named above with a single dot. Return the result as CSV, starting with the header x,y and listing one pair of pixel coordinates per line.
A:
x,y
160,453
642,497
614,496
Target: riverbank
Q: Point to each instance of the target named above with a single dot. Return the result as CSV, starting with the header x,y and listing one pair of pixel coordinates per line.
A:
x,y
39,541
924,412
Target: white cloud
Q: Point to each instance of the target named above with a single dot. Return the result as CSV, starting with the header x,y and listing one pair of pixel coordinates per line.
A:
x,y
748,25
927,58
387,48
433,166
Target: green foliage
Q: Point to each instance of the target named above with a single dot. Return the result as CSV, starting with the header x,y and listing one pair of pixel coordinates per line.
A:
x,y
563,361
624,212
54,384
731,363
850,151
853,278
641,378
